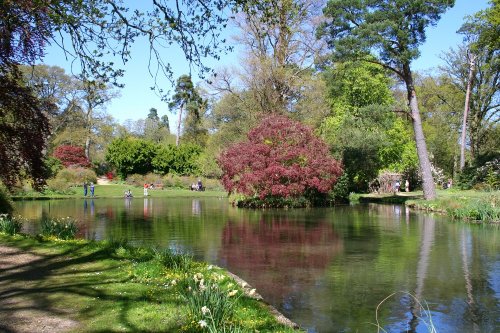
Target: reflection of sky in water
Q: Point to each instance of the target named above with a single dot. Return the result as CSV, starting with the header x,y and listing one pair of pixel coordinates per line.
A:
x,y
326,269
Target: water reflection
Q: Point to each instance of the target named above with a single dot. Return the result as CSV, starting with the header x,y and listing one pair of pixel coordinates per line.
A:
x,y
280,257
327,269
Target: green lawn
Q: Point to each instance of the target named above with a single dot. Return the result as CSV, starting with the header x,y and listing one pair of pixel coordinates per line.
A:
x,y
106,287
118,190
467,205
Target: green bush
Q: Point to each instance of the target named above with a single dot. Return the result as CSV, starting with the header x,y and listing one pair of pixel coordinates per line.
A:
x,y
52,166
6,204
65,228
10,225
59,186
77,176
485,177
181,160
340,192
135,180
175,181
151,178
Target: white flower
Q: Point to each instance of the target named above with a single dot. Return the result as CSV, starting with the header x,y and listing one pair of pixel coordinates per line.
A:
x,y
205,310
173,283
244,284
202,323
210,267
232,293
252,292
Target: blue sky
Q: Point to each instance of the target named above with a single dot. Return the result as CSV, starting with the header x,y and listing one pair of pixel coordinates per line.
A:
x,y
137,98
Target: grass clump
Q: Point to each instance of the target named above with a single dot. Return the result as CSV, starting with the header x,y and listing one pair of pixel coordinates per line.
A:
x,y
122,288
174,260
210,304
476,211
10,225
64,228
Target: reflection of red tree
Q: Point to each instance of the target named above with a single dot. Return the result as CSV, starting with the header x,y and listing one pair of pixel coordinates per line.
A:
x,y
274,256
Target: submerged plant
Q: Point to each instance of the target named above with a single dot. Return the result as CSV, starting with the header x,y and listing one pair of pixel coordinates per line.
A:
x,y
422,312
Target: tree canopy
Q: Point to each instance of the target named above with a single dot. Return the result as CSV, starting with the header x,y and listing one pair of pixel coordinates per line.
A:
x,y
387,33
282,158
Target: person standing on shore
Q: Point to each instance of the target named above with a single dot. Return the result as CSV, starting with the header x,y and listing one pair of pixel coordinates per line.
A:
x,y
92,189
85,189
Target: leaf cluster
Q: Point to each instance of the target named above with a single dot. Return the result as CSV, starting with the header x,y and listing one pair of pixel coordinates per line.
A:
x,y
392,29
71,156
132,155
280,158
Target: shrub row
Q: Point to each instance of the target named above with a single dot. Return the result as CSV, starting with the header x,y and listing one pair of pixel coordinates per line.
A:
x,y
172,181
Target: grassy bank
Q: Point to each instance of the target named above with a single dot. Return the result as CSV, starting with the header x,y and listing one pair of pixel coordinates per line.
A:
x,y
118,190
474,206
110,287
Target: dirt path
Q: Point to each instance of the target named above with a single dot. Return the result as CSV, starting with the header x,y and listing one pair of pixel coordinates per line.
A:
x,y
103,181
22,309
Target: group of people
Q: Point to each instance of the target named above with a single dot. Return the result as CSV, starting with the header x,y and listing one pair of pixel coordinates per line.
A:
x,y
86,187
397,186
198,186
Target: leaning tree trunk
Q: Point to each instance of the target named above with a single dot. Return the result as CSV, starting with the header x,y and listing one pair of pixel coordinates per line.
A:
x,y
89,133
466,112
423,155
179,126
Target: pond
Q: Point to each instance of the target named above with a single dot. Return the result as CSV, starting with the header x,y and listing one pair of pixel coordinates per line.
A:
x,y
327,269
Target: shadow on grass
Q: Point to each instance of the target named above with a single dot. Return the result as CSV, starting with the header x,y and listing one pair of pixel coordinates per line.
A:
x,y
69,291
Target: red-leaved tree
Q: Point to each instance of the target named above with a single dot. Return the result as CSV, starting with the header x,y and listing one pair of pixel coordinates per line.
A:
x,y
281,158
71,156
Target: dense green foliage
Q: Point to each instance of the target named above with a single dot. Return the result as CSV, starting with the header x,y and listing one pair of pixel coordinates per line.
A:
x,y
180,160
5,201
363,130
131,155
387,33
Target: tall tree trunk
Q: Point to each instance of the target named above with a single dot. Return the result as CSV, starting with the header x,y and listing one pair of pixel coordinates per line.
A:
x,y
89,132
423,155
466,111
179,126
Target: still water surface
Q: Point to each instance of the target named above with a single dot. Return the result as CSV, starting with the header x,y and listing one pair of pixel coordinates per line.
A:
x,y
326,269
